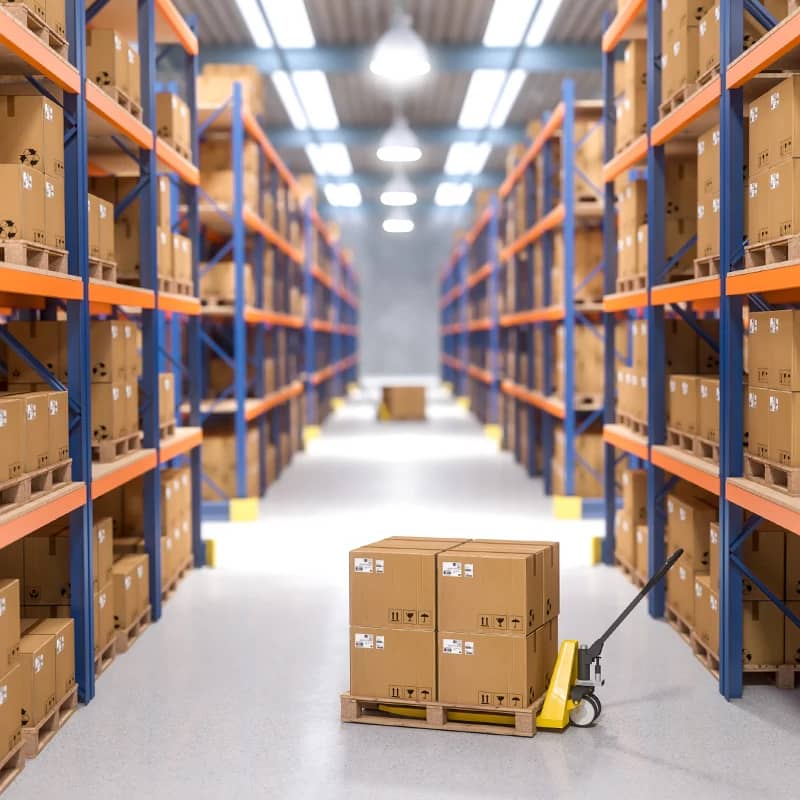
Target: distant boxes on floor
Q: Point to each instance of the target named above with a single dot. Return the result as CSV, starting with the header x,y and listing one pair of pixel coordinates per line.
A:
x,y
404,402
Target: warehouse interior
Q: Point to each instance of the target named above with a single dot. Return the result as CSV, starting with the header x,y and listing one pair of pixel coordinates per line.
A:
x,y
410,410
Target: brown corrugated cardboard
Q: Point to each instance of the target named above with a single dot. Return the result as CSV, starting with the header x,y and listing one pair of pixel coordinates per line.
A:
x,y
166,397
713,555
103,550
708,427
405,402
758,349
108,411
131,390
164,253
763,634
164,219
497,592
634,495
783,427
168,123
219,283
22,204
680,591
757,211
688,523
54,211
792,649
12,438
9,621
490,670
683,402
126,592
107,59
142,578
58,427
391,664
792,566
105,229
764,552
63,633
32,133
642,541
37,659
37,425
756,420
624,538
706,613
10,717
775,335
783,208
45,339
47,575
103,617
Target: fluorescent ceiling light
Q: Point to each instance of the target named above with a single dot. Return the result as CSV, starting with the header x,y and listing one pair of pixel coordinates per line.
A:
x,y
400,56
484,87
285,89
399,192
398,225
507,23
467,158
452,194
331,159
344,195
315,96
253,16
290,23
399,144
507,98
542,21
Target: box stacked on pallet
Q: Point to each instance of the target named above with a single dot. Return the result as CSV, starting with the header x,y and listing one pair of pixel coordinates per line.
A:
x,y
630,529
173,123
219,463
587,354
631,91
215,86
216,170
113,64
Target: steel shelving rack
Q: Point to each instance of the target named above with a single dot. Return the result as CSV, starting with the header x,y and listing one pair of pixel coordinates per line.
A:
x,y
467,278
721,99
93,119
239,334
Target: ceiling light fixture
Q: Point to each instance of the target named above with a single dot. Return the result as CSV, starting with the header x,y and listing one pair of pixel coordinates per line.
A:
x,y
398,225
330,158
400,56
399,192
289,22
507,23
508,96
343,195
315,96
449,194
399,144
467,158
542,22
253,16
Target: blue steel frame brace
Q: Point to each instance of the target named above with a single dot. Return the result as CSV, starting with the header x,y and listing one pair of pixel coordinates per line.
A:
x,y
310,342
77,242
530,303
548,422
656,355
492,285
463,316
151,328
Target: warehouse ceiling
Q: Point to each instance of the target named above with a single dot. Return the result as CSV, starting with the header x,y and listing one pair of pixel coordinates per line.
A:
x,y
343,33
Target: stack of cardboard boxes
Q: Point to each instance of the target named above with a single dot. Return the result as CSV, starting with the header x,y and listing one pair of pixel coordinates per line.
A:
x,y
463,623
588,463
113,64
630,528
174,123
215,86
631,92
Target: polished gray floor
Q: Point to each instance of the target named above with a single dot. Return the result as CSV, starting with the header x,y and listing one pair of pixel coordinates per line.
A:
x,y
235,693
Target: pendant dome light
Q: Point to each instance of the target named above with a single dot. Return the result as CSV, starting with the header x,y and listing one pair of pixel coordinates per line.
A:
x,y
399,144
400,56
398,191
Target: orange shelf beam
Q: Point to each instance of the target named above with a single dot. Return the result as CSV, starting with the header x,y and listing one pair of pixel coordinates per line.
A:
x,y
327,373
453,294
549,314
184,440
172,159
39,283
681,468
616,31
766,51
479,325
273,400
551,220
687,112
629,157
455,363
179,304
555,408
33,51
325,279
16,524
479,374
624,301
762,280
550,127
113,113
783,510
628,441
479,276
175,20
479,225
256,132
117,294
455,327
685,291
255,223
107,477
276,318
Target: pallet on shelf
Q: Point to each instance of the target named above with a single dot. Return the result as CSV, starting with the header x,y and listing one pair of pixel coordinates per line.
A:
x,y
112,449
629,572
37,737
678,98
167,429
32,485
706,267
126,637
632,424
681,626
175,581
105,658
632,283
11,766
680,439
178,148
774,252
706,449
34,254
37,26
123,99
769,473
102,270
509,721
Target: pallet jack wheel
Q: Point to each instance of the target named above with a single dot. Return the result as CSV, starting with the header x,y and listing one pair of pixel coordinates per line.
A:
x,y
586,712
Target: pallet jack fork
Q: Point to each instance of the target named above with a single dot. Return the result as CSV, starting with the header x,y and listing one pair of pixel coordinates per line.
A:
x,y
571,697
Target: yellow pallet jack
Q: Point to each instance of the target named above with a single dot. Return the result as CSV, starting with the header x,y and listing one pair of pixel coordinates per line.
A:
x,y
571,697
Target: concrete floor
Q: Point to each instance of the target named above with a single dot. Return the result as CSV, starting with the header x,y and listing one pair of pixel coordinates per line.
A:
x,y
235,694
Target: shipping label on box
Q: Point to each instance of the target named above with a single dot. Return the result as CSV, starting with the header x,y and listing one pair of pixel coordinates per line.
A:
x,y
54,212
37,431
756,420
103,617
58,427
103,551
32,133
9,621
708,427
683,402
37,658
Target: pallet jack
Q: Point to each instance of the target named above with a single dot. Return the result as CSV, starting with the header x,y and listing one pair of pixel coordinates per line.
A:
x,y
571,697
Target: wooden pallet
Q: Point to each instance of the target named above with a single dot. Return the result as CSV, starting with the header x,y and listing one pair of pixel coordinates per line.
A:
x,y
123,99
683,628
166,429
782,479
213,301
632,283
706,449
773,252
589,206
33,254
102,270
678,99
708,76
127,637
105,658
706,267
681,440
112,449
371,711
36,25
11,766
588,402
31,485
707,657
37,737
633,424
783,676
178,148
175,581
629,572
185,288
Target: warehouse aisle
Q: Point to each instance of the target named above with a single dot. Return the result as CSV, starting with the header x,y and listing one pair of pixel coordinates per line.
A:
x,y
236,692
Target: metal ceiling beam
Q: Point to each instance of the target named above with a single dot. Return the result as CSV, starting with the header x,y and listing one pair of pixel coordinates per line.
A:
x,y
360,136
546,58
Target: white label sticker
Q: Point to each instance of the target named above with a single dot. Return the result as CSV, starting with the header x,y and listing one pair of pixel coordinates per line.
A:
x,y
469,648
698,589
128,391
713,602
362,565
682,573
379,642
102,600
49,190
774,100
27,180
774,180
53,408
3,695
774,325
30,411
452,647
2,606
363,641
682,514
670,506
59,645
753,114
115,392
101,535
379,568
48,112
469,570
451,569
704,391
3,418
774,404
38,664
140,571
714,536
128,582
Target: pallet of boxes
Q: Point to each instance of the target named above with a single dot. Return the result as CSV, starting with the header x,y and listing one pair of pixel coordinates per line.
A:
x,y
452,635
46,20
630,528
402,403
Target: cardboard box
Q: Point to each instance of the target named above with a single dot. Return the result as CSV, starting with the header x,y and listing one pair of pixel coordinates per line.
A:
x,y
713,555
12,438
166,397
103,617
126,592
764,552
219,283
109,411
215,86
708,427
683,402
22,204
756,420
10,716
133,360
37,430
142,579
680,591
485,669
56,16
103,537
45,339
37,659
63,633
688,524
9,621
131,398
134,75
32,133
126,244
58,427
774,346
391,664
758,349
54,212
405,402
783,427
107,59
759,226
792,650
624,538
706,613
47,571
763,634
182,257
164,253
497,592
168,121
792,567
634,495
105,229
164,218
777,125
642,545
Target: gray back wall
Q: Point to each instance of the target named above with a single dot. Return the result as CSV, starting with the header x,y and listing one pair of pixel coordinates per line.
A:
x,y
399,280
